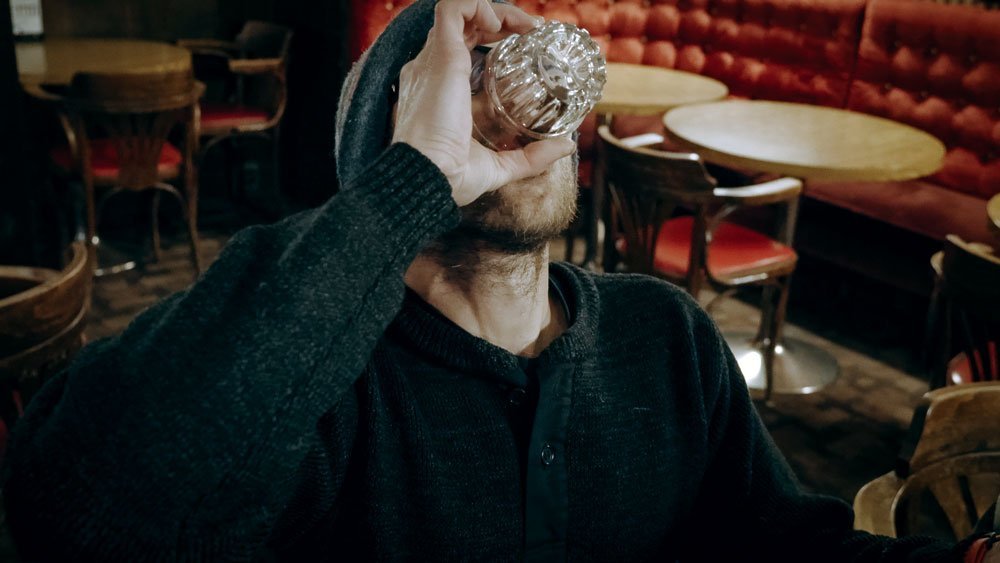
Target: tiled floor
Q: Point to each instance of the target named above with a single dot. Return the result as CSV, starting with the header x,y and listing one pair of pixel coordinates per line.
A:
x,y
836,439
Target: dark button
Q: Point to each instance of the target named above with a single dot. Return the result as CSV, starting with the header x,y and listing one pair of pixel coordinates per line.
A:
x,y
548,454
516,397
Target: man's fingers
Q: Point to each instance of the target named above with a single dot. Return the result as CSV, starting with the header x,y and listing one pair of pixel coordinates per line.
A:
x,y
532,160
512,20
452,17
515,19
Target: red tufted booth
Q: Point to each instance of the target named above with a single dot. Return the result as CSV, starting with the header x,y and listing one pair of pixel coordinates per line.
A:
x,y
934,66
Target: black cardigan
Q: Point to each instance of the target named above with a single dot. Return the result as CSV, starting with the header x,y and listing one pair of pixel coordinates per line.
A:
x,y
291,406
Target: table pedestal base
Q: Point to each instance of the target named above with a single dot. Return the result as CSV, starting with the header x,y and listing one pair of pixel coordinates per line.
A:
x,y
799,367
121,262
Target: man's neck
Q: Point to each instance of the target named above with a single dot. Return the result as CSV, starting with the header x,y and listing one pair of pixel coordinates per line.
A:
x,y
502,298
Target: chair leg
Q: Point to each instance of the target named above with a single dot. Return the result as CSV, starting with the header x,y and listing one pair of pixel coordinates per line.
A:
x,y
771,323
931,324
189,211
192,224
569,241
157,251
767,310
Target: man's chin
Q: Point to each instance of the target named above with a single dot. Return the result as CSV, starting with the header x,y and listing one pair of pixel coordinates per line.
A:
x,y
498,240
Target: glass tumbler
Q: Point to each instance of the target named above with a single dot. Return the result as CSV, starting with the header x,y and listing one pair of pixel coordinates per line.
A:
x,y
537,85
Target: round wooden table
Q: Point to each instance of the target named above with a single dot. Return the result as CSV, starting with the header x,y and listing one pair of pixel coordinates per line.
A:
x,y
55,61
651,90
993,213
812,143
639,90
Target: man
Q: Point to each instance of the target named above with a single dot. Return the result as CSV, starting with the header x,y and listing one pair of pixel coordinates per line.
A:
x,y
388,377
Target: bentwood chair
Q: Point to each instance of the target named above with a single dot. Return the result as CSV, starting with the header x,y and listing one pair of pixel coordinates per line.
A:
x,y
648,187
967,299
948,475
118,128
42,315
253,69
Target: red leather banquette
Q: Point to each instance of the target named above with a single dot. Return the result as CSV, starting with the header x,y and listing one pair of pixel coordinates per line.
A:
x,y
934,66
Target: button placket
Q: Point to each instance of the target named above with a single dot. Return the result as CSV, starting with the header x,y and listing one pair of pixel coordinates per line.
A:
x,y
546,502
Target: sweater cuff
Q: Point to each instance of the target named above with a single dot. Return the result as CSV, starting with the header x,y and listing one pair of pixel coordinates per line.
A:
x,y
410,194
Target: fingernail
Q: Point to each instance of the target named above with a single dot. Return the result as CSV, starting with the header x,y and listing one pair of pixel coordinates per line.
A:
x,y
539,21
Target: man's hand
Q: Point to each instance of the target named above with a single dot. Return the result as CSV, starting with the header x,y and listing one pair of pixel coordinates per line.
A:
x,y
434,114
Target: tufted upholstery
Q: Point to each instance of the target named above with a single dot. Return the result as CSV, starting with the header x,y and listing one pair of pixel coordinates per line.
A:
x,y
938,69
934,66
791,50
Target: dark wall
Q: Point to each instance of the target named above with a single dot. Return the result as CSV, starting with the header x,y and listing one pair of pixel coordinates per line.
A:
x,y
150,19
315,74
21,162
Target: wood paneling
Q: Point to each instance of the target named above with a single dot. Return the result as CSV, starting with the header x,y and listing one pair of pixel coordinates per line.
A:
x,y
146,19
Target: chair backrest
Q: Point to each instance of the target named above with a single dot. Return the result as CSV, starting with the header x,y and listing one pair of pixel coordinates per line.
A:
x,y
646,187
970,283
42,326
954,469
137,111
271,42
260,39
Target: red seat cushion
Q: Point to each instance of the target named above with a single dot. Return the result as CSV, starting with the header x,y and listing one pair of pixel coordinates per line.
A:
x,y
105,164
734,249
223,117
960,372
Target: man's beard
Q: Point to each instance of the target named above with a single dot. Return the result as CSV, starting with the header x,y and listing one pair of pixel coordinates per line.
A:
x,y
516,220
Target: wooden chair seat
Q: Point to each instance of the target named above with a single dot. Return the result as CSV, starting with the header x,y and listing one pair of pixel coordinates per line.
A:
x,y
105,161
220,119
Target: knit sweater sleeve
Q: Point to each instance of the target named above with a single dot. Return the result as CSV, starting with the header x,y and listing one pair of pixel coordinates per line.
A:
x,y
752,508
179,439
